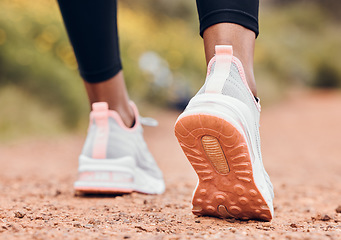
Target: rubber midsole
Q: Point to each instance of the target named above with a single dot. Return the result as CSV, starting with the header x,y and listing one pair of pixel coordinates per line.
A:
x,y
121,173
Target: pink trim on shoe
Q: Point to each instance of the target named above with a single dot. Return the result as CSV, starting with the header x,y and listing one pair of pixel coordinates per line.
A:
x,y
241,71
223,59
120,122
209,66
103,190
239,65
100,115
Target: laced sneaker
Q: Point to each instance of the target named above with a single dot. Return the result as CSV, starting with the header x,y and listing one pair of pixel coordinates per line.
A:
x,y
219,134
115,158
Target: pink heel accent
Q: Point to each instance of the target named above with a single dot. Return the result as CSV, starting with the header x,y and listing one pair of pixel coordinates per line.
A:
x,y
119,120
100,114
243,76
209,66
223,59
223,50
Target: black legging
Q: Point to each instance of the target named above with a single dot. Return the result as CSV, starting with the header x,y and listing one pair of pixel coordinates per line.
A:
x,y
92,29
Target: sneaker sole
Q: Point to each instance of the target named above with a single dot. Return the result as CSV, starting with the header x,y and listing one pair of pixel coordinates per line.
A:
x,y
102,190
98,185
219,154
115,176
151,186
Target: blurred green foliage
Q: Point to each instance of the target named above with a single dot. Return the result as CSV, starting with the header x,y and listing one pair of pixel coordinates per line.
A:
x,y
36,57
330,7
299,44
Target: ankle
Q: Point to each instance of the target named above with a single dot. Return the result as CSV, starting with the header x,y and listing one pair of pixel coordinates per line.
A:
x,y
242,41
114,92
126,113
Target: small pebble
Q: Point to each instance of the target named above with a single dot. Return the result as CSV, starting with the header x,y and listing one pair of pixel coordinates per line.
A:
x,y
266,224
77,225
325,218
88,226
338,209
19,214
57,193
293,225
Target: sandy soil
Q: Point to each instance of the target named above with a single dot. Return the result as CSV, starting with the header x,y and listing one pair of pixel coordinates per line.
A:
x,y
301,148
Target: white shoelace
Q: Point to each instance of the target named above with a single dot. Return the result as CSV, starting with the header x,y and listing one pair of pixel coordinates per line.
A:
x,y
147,121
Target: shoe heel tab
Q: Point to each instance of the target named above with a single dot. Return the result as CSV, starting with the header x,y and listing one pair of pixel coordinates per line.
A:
x,y
120,122
100,107
100,114
225,50
223,58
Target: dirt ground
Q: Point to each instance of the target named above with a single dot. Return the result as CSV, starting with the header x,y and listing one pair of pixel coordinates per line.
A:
x,y
301,149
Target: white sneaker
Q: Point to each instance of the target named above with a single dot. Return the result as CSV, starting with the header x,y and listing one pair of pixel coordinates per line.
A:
x,y
219,133
116,159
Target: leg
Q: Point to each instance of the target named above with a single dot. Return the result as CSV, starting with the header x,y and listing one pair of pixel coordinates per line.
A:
x,y
218,131
231,23
243,42
115,157
114,92
92,29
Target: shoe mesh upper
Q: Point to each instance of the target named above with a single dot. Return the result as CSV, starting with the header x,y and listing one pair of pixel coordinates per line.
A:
x,y
123,143
236,88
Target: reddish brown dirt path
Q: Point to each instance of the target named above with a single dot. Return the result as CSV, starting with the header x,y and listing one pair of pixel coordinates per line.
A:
x,y
302,152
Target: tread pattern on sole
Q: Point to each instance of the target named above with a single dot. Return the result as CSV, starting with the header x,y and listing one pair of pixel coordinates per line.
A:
x,y
227,189
215,154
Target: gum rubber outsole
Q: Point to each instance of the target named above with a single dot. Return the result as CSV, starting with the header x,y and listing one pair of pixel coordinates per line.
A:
x,y
102,190
219,154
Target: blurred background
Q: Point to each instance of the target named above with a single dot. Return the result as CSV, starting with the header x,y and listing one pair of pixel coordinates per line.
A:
x,y
41,92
